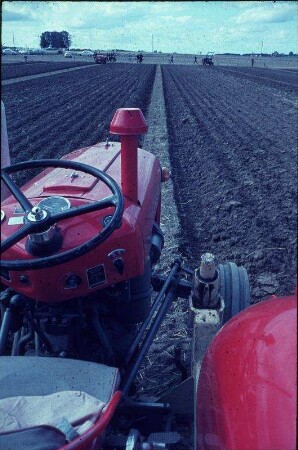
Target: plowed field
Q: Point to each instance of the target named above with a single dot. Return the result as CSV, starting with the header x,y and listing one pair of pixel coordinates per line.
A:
x,y
233,147
21,69
50,116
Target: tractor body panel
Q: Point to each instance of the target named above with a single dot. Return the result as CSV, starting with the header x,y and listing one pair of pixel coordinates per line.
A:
x,y
246,395
94,269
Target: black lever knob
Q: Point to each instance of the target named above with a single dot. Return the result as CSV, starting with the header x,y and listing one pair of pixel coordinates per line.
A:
x,y
119,264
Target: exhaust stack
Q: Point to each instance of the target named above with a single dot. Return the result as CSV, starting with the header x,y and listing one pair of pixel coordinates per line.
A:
x,y
5,157
128,123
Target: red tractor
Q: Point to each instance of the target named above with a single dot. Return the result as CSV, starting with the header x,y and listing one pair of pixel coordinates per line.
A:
x,y
79,244
100,58
208,59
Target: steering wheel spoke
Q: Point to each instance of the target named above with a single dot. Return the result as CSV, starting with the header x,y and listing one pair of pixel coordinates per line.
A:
x,y
16,192
84,209
20,234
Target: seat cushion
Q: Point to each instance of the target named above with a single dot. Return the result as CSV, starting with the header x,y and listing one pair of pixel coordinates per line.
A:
x,y
31,375
62,410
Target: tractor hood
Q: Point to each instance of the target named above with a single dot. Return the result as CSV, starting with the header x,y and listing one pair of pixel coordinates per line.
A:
x,y
105,157
132,239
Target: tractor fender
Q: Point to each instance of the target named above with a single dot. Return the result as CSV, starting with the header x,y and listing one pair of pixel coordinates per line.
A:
x,y
246,393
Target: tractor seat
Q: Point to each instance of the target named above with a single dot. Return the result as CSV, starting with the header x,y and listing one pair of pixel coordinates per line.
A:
x,y
31,375
43,398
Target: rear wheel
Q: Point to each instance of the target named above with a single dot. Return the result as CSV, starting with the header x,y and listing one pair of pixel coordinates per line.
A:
x,y
234,288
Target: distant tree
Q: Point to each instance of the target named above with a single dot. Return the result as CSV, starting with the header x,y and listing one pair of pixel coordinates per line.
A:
x,y
291,54
55,39
45,39
66,38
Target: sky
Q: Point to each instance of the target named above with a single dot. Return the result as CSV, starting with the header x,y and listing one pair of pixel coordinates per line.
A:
x,y
182,27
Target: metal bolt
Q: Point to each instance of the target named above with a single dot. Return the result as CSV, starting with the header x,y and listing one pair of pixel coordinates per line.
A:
x,y
35,210
24,279
37,213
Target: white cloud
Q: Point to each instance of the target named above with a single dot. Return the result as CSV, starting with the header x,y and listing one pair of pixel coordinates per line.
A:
x,y
269,13
183,19
248,4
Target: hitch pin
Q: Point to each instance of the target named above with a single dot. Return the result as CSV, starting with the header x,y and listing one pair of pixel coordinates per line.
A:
x,y
206,284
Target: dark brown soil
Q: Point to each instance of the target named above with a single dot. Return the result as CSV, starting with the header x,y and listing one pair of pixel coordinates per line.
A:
x,y
22,69
233,145
285,79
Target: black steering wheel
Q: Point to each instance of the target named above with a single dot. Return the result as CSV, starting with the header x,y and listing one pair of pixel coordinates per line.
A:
x,y
38,221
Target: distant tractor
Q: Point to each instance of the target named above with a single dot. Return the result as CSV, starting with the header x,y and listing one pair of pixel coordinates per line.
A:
x,y
208,59
100,58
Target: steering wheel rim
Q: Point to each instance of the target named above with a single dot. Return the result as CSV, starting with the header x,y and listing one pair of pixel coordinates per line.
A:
x,y
116,201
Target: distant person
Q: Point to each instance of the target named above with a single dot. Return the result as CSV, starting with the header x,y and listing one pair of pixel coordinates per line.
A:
x,y
195,61
172,59
252,61
140,57
25,58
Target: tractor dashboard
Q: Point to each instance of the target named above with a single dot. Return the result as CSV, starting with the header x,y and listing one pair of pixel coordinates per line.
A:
x,y
118,258
36,264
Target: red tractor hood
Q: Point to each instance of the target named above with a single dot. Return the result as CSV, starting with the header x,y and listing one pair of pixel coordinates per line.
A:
x,y
103,157
134,235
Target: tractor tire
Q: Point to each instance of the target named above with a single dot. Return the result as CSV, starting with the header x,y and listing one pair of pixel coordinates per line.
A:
x,y
234,289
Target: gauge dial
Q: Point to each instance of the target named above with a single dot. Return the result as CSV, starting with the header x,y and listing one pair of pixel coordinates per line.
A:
x,y
54,204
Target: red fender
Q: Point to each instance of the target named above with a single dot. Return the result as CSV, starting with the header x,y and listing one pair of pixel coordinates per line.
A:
x,y
246,397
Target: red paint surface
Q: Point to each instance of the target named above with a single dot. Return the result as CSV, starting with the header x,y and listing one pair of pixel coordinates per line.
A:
x,y
128,121
134,235
246,395
129,167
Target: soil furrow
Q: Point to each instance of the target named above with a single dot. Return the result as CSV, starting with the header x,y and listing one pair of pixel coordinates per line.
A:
x,y
230,178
